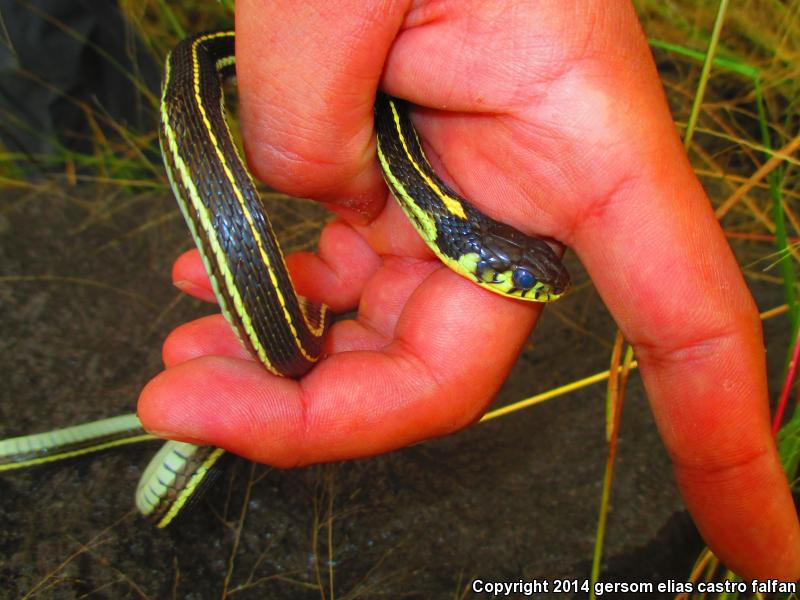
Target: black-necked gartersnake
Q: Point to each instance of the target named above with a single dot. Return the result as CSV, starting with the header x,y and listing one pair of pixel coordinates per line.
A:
x,y
222,208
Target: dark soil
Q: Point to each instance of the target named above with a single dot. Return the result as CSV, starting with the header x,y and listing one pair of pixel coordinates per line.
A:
x,y
85,302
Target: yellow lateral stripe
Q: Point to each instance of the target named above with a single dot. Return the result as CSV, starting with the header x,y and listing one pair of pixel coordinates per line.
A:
x,y
237,193
452,204
215,285
183,205
186,493
205,217
316,331
408,204
421,221
461,266
205,220
465,265
39,460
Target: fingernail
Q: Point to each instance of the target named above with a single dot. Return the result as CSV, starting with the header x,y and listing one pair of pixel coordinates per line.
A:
x,y
185,285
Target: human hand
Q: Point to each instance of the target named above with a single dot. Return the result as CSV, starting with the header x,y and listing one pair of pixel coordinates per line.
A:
x,y
555,123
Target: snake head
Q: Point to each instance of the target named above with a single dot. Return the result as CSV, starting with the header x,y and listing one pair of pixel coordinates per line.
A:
x,y
514,264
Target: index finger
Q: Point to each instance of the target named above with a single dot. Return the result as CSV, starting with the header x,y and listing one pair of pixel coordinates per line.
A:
x,y
664,269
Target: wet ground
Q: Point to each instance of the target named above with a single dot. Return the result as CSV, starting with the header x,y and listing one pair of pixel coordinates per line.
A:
x,y
85,302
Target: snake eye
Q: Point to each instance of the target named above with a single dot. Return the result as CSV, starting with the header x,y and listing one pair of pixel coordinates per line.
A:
x,y
523,279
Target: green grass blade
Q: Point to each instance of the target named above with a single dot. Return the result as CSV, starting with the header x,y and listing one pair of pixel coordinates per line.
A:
x,y
704,74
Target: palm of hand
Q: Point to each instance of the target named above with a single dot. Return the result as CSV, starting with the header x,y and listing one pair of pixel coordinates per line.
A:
x,y
555,123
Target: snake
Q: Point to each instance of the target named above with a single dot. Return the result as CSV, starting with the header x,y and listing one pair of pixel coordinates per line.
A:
x,y
220,203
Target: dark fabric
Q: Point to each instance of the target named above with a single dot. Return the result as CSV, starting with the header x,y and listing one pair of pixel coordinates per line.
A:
x,y
49,60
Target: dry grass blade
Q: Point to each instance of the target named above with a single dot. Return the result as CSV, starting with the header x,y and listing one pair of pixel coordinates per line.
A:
x,y
768,167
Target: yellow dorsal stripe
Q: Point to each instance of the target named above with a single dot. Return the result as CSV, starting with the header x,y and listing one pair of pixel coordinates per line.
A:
x,y
237,191
205,220
452,204
248,216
